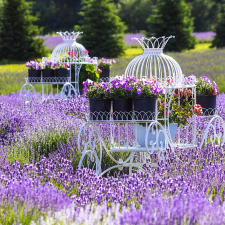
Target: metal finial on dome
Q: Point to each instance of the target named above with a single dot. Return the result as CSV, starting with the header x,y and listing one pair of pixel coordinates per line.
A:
x,y
69,35
153,44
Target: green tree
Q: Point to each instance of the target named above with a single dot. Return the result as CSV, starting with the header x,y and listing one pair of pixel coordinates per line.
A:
x,y
219,38
205,13
18,34
134,13
102,28
56,15
173,17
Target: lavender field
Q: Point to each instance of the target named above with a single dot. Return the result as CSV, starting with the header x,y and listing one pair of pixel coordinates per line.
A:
x,y
40,182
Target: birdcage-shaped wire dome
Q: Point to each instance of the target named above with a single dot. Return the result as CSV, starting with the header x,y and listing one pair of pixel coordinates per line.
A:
x,y
153,63
64,52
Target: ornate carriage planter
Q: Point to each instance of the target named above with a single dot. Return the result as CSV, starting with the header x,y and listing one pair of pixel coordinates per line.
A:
x,y
69,52
155,131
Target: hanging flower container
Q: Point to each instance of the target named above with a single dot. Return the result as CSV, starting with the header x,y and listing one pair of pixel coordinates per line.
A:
x,y
208,103
122,109
145,96
104,66
100,103
122,98
62,70
47,69
34,71
207,91
105,73
48,73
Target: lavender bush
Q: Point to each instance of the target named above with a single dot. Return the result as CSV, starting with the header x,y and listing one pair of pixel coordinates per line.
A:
x,y
40,182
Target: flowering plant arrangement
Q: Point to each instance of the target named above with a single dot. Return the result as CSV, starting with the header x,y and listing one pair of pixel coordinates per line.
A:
x,y
105,64
206,86
47,65
197,110
178,113
121,87
146,89
61,66
190,80
33,65
96,90
99,70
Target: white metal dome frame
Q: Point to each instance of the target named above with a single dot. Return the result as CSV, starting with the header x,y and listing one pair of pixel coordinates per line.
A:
x,y
60,54
153,63
69,44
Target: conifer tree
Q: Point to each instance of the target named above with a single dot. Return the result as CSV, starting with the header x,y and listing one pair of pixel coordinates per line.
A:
x,y
173,17
17,32
219,38
102,28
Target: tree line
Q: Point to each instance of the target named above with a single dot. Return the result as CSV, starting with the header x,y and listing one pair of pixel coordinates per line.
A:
x,y
104,23
58,15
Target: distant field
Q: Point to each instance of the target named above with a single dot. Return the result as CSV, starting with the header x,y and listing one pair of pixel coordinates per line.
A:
x,y
200,61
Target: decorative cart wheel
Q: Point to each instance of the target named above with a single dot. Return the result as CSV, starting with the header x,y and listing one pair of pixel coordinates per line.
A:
x,y
215,132
91,157
67,90
28,95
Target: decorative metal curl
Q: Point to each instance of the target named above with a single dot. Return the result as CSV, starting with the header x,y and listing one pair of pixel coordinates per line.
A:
x,y
28,95
217,126
67,89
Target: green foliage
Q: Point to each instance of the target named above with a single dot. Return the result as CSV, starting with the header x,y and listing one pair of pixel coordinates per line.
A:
x,y
17,212
37,146
179,113
219,38
88,71
173,17
205,14
134,13
56,15
18,34
103,30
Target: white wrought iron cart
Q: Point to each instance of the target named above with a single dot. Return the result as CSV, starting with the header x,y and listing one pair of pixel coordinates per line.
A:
x,y
69,51
144,138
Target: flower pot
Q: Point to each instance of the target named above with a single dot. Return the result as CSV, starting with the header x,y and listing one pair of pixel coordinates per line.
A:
x,y
144,108
32,73
141,132
122,109
47,73
62,72
100,108
105,73
208,104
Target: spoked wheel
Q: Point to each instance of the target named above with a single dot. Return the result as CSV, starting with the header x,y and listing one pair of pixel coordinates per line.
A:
x,y
28,95
68,90
88,140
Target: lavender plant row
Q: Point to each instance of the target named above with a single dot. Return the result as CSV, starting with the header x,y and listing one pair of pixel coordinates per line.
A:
x,y
40,182
53,41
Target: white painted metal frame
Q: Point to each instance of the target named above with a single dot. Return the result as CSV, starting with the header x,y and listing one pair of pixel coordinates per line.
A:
x,y
60,54
155,65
